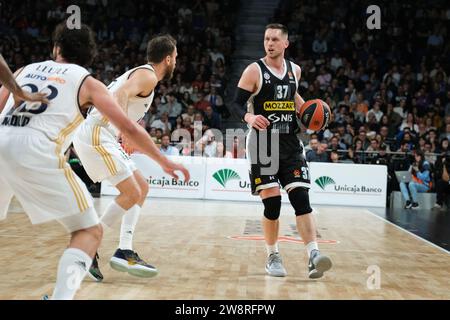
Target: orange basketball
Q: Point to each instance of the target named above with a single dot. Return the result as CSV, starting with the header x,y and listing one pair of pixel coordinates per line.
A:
x,y
314,114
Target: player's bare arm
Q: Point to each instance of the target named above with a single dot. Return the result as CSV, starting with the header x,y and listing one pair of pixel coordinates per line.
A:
x,y
137,135
142,82
298,98
4,91
9,82
248,84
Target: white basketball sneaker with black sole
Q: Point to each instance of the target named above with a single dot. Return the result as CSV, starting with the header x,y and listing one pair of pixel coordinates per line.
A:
x,y
274,266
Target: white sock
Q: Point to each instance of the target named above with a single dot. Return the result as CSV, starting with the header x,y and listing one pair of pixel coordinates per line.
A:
x,y
311,246
129,221
272,248
73,267
112,213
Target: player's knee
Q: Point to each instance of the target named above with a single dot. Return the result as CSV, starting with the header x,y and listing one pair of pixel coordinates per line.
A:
x,y
136,195
299,199
99,231
272,207
96,233
144,190
133,194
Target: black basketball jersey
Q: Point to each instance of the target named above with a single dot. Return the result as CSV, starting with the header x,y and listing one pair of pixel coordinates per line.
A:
x,y
275,100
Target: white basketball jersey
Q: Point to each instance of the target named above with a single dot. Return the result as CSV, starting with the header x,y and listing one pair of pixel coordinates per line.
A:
x,y
57,120
137,106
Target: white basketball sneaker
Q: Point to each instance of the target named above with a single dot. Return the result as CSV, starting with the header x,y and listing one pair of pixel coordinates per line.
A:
x,y
274,266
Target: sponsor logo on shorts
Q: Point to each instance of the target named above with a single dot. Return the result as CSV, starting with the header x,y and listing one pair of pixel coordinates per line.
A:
x,y
257,180
279,106
297,173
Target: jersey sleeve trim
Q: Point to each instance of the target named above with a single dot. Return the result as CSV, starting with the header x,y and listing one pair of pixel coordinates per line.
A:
x,y
250,107
148,67
78,91
260,80
295,74
141,96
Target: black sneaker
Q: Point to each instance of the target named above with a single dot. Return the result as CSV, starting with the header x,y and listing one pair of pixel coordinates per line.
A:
x,y
318,264
415,205
129,261
408,205
94,271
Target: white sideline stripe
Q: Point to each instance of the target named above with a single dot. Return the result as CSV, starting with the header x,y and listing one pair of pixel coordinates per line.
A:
x,y
409,232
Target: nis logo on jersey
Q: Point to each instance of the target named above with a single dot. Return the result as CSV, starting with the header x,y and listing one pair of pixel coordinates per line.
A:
x,y
274,118
279,106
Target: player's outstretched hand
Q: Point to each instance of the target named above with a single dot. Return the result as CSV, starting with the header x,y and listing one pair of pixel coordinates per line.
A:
x,y
258,121
23,95
170,168
126,145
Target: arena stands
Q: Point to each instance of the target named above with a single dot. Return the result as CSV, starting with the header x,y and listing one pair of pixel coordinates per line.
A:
x,y
389,89
384,86
203,30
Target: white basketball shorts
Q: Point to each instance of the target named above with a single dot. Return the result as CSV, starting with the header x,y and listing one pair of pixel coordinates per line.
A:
x,y
101,155
33,168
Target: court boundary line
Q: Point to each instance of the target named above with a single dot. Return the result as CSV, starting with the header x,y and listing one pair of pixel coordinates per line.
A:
x,y
409,232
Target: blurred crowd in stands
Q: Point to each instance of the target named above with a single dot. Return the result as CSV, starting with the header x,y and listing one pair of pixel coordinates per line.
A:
x,y
205,42
388,88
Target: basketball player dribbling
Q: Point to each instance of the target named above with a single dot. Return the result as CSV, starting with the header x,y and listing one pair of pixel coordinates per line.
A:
x,y
104,159
34,136
268,88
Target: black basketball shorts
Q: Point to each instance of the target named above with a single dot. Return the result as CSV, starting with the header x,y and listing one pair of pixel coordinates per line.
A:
x,y
291,172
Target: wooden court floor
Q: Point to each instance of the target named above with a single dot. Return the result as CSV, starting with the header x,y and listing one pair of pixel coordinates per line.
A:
x,y
210,250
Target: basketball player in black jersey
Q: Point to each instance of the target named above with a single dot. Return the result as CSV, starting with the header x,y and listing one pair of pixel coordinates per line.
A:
x,y
268,88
